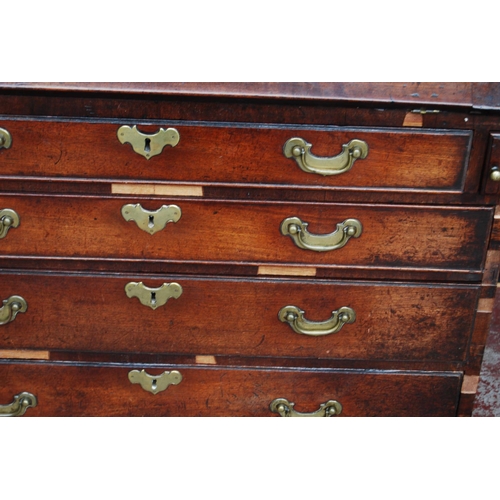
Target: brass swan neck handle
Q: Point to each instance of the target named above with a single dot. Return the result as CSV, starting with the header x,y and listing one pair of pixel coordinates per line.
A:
x,y
300,150
18,407
286,409
297,230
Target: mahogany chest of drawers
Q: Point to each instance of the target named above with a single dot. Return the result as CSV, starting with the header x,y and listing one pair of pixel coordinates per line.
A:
x,y
246,249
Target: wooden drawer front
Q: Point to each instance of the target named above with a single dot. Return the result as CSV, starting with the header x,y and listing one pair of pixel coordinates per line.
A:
x,y
240,317
221,231
85,390
211,153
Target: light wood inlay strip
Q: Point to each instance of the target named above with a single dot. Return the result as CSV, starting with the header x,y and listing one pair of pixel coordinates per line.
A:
x,y
470,383
206,360
157,189
287,271
21,354
413,120
485,305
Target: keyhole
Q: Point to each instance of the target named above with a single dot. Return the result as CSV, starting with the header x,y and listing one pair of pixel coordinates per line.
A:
x,y
147,145
151,222
153,298
153,386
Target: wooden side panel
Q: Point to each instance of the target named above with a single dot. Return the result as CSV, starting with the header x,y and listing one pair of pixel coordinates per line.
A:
x,y
212,391
397,158
411,237
480,334
240,317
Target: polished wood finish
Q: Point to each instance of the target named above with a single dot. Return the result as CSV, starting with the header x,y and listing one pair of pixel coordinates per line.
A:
x,y
215,154
224,317
85,389
422,276
461,94
411,237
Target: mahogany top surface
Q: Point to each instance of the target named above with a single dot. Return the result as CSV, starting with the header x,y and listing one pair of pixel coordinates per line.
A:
x,y
471,95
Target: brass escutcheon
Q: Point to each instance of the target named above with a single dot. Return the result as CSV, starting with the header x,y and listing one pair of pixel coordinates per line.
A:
x,y
155,383
295,318
5,139
285,409
297,230
151,221
153,297
18,407
148,145
11,306
300,150
8,219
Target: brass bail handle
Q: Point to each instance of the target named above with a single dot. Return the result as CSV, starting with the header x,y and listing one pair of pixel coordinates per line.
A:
x,y
148,145
297,230
286,409
8,219
18,407
300,150
299,324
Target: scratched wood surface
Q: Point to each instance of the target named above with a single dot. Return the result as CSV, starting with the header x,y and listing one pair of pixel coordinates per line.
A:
x,y
240,317
412,237
460,94
400,159
83,390
424,196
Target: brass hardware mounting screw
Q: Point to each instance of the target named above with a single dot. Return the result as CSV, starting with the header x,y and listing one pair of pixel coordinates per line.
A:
x,y
7,221
356,153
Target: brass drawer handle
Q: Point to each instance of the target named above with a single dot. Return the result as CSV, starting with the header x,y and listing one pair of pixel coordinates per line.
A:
x,y
300,150
148,145
5,139
285,409
297,230
153,297
151,221
495,174
155,383
295,318
18,407
11,306
8,218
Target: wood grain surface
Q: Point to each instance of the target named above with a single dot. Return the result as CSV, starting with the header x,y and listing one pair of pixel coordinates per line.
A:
x,y
240,317
413,237
460,94
214,153
85,390
421,277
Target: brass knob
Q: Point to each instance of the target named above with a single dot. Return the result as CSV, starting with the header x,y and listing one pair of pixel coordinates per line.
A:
x,y
495,174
